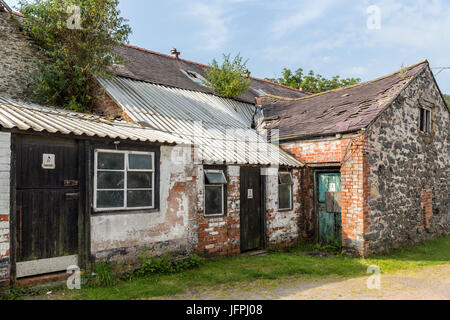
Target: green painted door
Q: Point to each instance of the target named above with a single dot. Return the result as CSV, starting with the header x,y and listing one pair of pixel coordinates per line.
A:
x,y
330,223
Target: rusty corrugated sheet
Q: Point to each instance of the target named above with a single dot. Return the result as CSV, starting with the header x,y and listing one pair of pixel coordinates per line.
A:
x,y
220,128
24,116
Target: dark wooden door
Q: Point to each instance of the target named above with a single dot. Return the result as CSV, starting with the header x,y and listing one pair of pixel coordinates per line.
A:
x,y
251,209
47,199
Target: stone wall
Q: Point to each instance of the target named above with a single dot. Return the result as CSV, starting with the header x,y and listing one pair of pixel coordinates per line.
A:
x,y
18,55
5,165
409,171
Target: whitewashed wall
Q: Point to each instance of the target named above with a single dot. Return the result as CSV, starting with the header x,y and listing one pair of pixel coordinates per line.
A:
x,y
282,226
5,167
122,235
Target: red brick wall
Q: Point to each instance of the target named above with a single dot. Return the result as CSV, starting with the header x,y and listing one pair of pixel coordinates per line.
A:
x,y
427,207
220,236
347,152
355,196
108,106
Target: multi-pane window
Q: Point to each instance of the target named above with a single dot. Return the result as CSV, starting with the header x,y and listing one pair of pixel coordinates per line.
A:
x,y
425,120
215,186
124,180
285,184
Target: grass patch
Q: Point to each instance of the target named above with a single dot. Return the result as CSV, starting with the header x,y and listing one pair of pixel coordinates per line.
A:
x,y
276,265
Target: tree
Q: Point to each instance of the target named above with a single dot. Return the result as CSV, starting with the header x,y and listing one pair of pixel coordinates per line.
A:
x,y
447,99
228,80
78,37
312,82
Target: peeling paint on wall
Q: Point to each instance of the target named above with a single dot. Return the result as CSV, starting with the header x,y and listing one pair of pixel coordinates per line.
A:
x,y
282,226
5,167
169,227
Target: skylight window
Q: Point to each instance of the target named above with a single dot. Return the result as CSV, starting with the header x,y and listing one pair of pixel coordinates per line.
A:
x,y
194,76
259,92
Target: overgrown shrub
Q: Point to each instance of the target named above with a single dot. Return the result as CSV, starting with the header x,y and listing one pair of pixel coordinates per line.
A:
x,y
104,275
78,38
167,264
333,247
228,80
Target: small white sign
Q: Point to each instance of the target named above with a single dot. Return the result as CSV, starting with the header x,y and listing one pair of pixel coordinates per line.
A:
x,y
48,161
332,187
250,193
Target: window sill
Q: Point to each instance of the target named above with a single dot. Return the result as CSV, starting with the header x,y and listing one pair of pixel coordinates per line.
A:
x,y
285,210
215,216
124,212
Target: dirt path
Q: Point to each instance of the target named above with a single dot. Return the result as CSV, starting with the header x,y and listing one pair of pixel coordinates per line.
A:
x,y
424,284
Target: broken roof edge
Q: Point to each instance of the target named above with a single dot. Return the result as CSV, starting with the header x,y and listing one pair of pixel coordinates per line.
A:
x,y
425,61
6,8
206,66
388,104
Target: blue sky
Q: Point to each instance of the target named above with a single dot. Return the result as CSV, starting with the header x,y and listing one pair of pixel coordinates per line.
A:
x,y
329,36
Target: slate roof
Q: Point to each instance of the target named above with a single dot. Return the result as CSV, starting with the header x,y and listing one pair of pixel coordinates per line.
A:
x,y
158,68
337,111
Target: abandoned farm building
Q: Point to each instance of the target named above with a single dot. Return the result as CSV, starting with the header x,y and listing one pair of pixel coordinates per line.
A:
x,y
164,163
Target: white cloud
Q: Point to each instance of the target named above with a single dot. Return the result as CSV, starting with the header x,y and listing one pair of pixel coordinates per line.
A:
x,y
216,17
300,16
212,16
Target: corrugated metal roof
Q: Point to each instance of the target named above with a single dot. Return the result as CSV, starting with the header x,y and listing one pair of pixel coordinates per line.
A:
x,y
24,116
220,128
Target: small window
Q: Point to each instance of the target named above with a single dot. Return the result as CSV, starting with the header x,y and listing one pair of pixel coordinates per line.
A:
x,y
285,184
215,186
124,180
425,120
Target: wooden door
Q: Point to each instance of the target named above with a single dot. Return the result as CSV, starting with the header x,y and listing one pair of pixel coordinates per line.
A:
x,y
47,201
251,209
330,222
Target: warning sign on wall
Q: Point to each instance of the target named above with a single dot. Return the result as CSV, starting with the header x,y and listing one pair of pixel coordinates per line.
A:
x,y
48,161
250,194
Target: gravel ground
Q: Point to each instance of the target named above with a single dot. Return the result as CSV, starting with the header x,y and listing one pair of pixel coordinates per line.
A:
x,y
431,283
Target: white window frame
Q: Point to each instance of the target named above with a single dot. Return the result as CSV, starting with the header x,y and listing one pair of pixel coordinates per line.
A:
x,y
125,171
223,194
291,196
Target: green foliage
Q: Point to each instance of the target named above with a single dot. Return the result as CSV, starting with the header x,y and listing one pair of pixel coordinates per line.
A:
x,y
166,264
228,80
277,265
332,247
104,276
447,99
312,82
76,57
